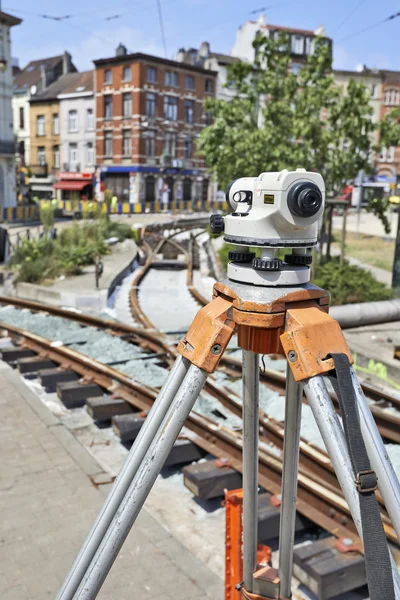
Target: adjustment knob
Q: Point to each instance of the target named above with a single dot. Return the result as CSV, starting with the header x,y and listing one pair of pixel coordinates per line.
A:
x,y
298,259
267,264
216,224
241,257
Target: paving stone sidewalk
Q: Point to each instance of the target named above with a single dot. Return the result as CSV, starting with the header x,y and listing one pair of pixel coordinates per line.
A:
x,y
48,502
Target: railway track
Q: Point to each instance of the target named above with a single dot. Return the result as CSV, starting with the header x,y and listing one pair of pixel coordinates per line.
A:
x,y
319,498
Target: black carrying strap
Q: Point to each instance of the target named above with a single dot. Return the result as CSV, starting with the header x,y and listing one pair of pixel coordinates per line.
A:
x,y
377,560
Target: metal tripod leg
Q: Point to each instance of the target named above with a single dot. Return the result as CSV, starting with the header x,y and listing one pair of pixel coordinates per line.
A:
x,y
125,476
142,483
335,442
388,482
250,465
291,444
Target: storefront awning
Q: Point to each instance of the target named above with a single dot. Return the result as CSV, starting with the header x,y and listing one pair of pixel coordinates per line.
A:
x,y
71,185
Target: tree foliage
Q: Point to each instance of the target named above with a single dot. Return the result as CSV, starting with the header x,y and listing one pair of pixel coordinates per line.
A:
x,y
278,118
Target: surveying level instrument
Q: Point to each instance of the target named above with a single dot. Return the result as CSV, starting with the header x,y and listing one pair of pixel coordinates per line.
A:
x,y
274,309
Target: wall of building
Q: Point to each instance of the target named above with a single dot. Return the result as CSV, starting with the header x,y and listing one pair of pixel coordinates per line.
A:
x,y
170,173
7,165
388,163
83,135
21,100
49,139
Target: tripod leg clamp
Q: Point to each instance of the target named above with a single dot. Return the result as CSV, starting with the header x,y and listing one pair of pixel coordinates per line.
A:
x,y
310,336
209,335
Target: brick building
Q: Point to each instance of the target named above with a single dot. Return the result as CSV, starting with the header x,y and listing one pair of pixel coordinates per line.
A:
x,y
148,116
388,163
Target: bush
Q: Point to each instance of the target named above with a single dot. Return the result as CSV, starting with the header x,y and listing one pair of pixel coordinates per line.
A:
x,y
348,284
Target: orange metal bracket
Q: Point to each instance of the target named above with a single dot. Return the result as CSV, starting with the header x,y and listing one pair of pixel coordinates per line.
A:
x,y
310,336
209,335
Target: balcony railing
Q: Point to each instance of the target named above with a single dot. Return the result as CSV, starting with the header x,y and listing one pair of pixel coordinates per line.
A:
x,y
39,170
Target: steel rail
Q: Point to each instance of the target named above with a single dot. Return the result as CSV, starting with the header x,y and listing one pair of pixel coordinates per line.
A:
x,y
325,507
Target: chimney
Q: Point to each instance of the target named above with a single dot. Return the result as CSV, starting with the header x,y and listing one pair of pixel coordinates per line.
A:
x,y
180,55
204,51
43,77
121,50
67,63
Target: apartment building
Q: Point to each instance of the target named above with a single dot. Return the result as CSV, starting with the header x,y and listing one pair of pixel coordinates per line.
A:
x,y
149,113
32,80
62,147
301,40
7,162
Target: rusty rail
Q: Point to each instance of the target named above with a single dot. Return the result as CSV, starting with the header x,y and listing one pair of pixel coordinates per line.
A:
x,y
316,499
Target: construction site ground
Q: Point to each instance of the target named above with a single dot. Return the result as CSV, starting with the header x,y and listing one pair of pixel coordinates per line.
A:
x,y
49,495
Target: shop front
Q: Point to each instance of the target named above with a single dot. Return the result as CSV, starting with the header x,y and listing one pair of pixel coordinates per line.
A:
x,y
74,186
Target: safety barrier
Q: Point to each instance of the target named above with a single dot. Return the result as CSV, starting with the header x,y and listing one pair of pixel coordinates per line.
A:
x,y
21,213
72,207
69,207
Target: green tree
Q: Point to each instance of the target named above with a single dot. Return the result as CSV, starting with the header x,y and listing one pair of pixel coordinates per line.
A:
x,y
280,119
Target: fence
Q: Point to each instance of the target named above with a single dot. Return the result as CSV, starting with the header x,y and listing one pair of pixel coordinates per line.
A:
x,y
72,207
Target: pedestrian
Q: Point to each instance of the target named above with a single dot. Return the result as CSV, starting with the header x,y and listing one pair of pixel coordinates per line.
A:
x,y
99,268
165,196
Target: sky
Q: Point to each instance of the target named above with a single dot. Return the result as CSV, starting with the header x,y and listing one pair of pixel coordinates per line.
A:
x,y
96,27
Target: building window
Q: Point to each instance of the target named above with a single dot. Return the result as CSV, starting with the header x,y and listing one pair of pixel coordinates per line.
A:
x,y
296,68
108,76
188,147
151,105
151,74
170,144
108,143
56,157
127,105
309,46
127,74
89,118
390,154
189,82
89,154
108,106
41,155
170,108
297,44
73,120
126,142
189,111
56,124
206,118
21,117
150,143
73,156
40,125
391,97
171,78
373,90
208,86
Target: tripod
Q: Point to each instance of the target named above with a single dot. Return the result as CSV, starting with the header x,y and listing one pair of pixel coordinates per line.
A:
x,y
267,319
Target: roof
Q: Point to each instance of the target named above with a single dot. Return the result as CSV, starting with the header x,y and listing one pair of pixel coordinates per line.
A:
x,y
9,19
224,59
31,74
289,29
82,82
69,81
138,56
